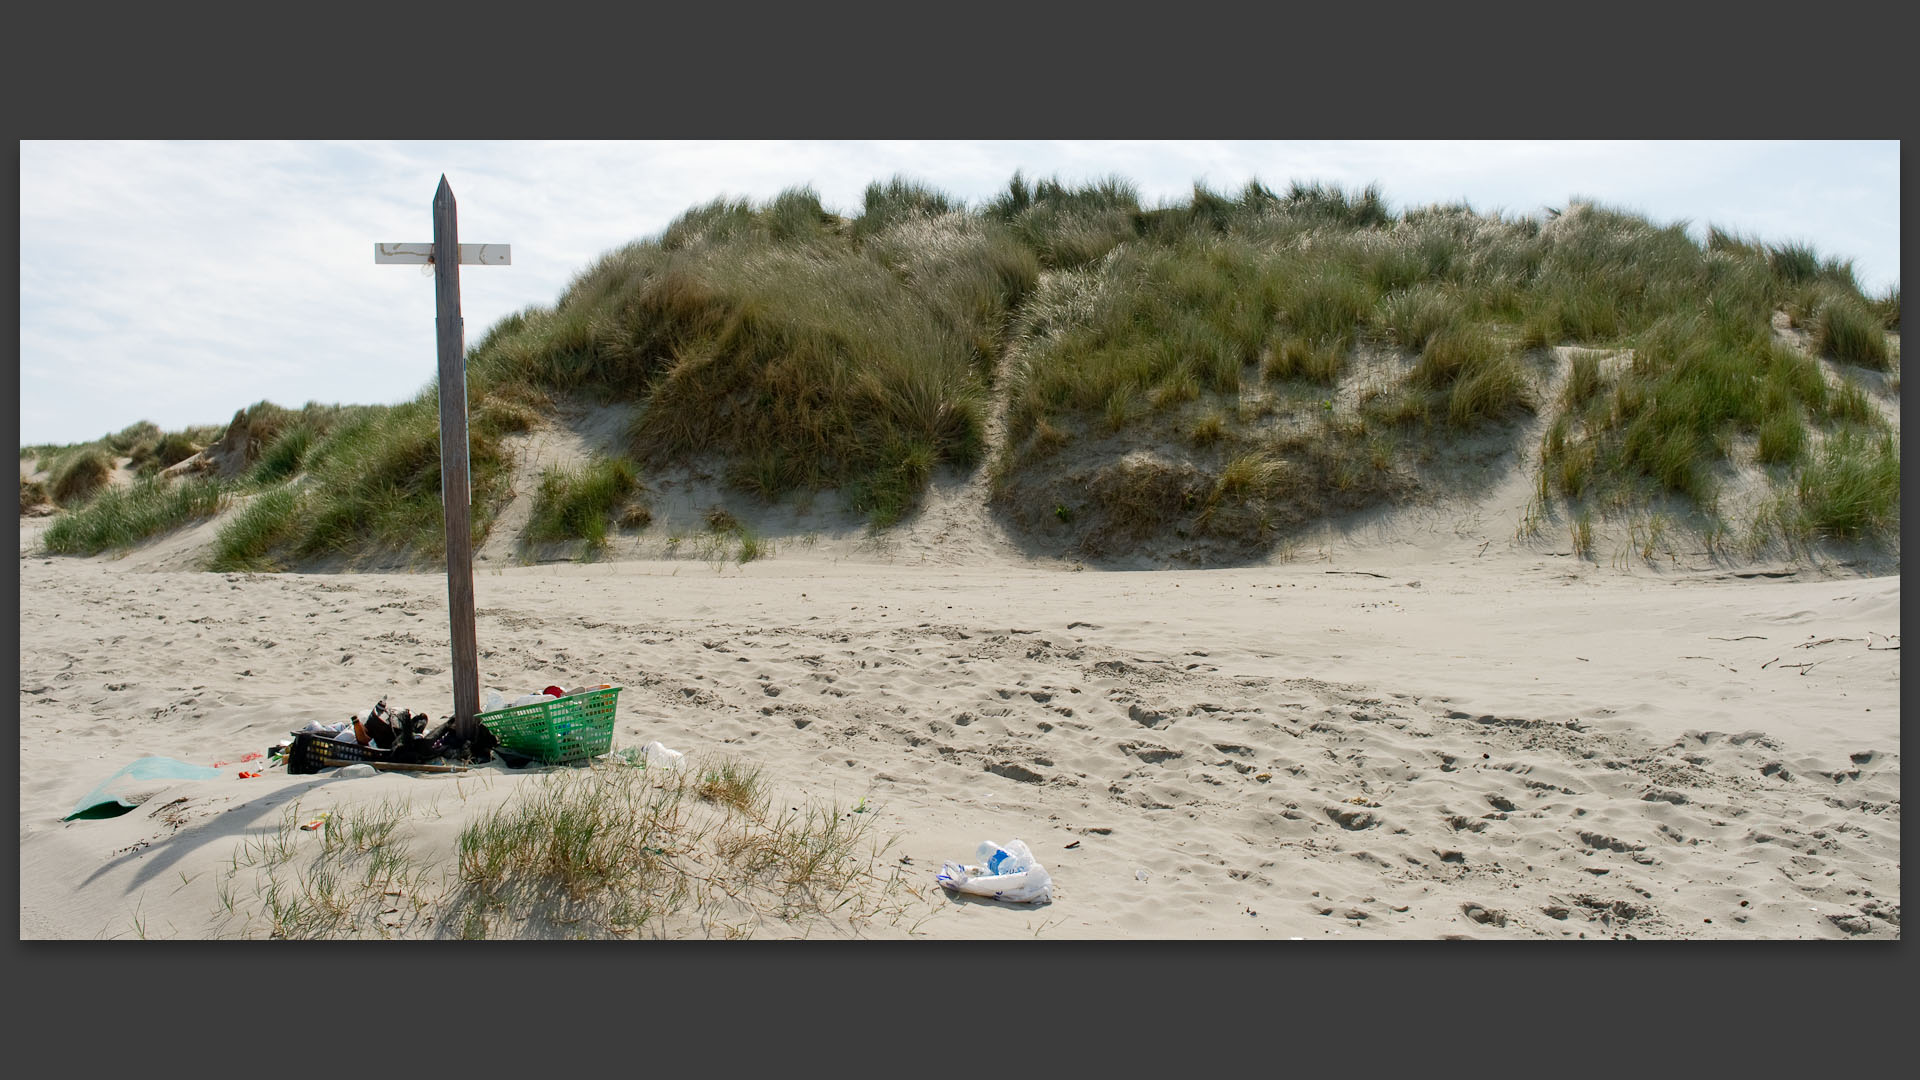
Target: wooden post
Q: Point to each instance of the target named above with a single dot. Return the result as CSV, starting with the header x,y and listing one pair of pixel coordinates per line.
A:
x,y
446,253
456,485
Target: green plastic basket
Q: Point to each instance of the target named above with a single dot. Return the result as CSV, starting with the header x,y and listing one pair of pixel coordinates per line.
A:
x,y
557,731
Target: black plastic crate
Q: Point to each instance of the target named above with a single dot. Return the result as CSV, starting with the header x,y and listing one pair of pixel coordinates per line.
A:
x,y
310,753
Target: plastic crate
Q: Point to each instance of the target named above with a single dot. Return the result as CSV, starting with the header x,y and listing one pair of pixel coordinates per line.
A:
x,y
558,731
311,753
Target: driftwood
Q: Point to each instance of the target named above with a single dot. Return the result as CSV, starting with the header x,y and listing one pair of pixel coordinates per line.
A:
x,y
401,766
1823,641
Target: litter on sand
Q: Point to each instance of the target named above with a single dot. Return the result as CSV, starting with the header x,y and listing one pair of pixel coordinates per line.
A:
x,y
135,784
1008,872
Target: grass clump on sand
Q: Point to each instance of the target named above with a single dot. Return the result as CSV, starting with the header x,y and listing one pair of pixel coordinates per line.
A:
x,y
80,476
169,449
1852,490
608,852
124,517
32,494
723,528
249,541
578,504
1847,329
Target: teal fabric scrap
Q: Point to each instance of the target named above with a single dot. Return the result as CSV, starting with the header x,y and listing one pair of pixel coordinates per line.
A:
x,y
135,784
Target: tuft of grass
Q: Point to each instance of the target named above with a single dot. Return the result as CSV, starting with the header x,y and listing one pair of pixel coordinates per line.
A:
x,y
32,493
1888,308
888,204
893,488
1454,353
1583,380
1850,405
1480,377
1582,530
1248,476
1846,329
753,546
283,457
81,476
579,504
1793,264
1411,317
1783,439
1852,489
154,455
1121,408
119,519
253,540
1209,430
733,784
124,441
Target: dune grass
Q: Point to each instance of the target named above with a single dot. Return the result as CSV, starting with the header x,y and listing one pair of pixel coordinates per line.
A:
x,y
605,852
1664,422
1847,329
81,476
579,504
33,493
121,518
811,351
257,537
1887,307
1312,326
1852,490
171,448
370,487
724,530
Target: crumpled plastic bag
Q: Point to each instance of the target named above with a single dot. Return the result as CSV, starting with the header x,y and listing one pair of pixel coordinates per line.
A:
x,y
655,754
661,756
1011,873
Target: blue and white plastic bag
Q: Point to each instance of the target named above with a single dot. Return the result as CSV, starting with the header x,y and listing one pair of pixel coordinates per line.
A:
x,y
1009,872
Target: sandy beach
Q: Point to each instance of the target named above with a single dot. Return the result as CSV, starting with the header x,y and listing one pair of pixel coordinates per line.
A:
x,y
1442,732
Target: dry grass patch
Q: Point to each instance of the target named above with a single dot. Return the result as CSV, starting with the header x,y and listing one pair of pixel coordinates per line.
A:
x,y
610,851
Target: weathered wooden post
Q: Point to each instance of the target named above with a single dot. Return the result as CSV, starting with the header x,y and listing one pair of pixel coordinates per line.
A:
x,y
446,253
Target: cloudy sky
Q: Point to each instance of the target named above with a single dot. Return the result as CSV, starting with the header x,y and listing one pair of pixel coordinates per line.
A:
x,y
178,282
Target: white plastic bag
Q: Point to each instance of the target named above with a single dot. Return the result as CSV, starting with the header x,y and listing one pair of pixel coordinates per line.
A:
x,y
1011,873
659,755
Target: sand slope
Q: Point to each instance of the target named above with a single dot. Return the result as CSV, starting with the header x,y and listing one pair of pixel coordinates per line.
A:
x,y
1438,732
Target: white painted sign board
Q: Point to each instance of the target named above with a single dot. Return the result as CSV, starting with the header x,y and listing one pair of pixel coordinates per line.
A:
x,y
470,254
